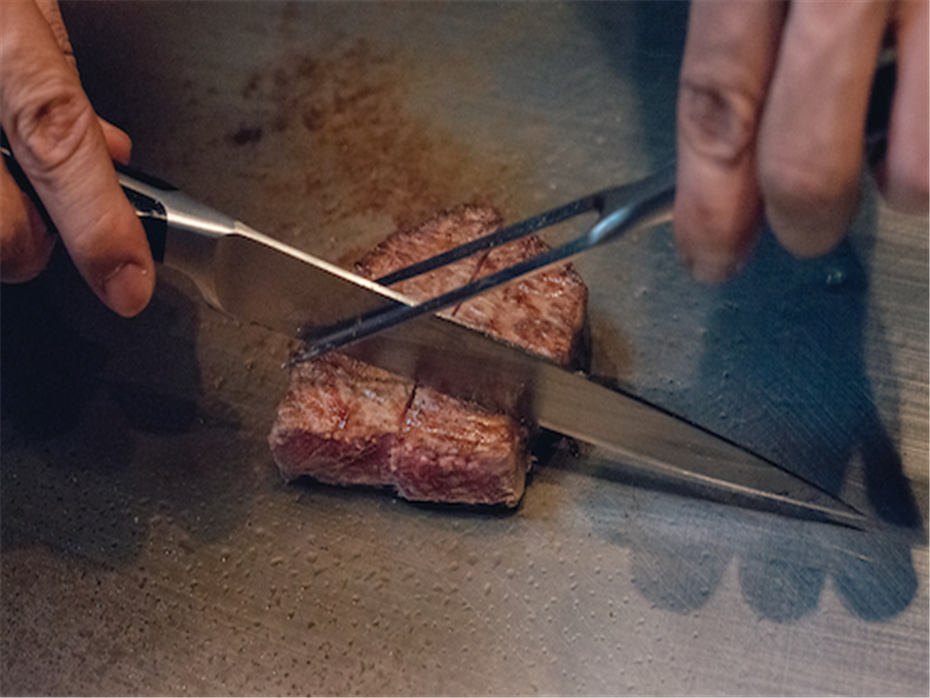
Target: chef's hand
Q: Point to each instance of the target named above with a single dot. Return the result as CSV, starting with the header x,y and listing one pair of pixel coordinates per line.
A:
x,y
771,115
67,152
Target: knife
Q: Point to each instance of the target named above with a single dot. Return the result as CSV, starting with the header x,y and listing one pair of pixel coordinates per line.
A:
x,y
259,279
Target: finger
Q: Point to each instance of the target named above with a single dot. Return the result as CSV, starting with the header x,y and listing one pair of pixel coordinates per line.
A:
x,y
52,14
60,145
729,54
903,177
811,137
118,143
25,244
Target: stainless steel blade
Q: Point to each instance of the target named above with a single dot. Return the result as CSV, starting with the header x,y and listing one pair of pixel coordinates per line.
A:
x,y
258,279
462,362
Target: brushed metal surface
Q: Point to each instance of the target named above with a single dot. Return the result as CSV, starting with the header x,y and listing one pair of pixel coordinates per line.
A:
x,y
148,545
289,291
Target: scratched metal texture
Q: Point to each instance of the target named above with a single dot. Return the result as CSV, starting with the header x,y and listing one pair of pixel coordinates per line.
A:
x,y
148,544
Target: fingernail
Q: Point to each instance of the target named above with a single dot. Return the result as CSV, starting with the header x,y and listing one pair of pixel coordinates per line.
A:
x,y
128,289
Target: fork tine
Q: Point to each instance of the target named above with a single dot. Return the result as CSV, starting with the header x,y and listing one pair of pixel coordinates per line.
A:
x,y
621,209
504,235
603,202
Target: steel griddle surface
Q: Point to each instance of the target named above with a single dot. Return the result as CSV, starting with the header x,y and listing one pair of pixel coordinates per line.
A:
x,y
148,545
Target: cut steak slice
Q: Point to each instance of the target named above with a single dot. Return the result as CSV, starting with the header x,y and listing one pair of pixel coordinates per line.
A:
x,y
545,313
344,422
439,234
455,451
339,421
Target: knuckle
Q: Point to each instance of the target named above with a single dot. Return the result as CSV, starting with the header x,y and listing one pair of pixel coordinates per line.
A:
x,y
51,119
716,121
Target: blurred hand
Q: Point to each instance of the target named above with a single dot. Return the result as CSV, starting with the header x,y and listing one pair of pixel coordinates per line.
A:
x,y
771,118
67,153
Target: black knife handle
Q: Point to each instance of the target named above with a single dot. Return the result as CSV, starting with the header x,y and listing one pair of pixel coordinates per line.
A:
x,y
151,212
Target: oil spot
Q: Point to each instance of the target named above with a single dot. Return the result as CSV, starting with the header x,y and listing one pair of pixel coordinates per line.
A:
x,y
246,135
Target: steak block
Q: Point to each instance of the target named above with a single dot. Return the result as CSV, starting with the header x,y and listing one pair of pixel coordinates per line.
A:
x,y
344,422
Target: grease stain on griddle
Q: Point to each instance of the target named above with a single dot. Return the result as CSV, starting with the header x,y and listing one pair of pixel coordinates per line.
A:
x,y
369,153
246,134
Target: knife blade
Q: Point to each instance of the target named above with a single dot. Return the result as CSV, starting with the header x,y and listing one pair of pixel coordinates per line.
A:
x,y
259,279
237,269
450,357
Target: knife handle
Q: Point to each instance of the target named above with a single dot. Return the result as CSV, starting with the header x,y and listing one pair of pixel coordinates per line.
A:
x,y
171,219
150,210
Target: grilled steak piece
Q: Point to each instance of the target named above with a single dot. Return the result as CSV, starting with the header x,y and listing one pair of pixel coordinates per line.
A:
x,y
545,313
450,450
340,421
438,234
344,422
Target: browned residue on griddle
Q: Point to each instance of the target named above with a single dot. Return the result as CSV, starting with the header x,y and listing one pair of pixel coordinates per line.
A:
x,y
367,151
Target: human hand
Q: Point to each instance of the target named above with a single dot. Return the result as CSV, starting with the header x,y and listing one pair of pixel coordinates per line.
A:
x,y
66,151
771,118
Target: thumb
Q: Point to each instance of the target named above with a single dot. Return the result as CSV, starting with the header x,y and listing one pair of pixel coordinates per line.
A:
x,y
61,147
